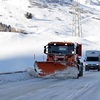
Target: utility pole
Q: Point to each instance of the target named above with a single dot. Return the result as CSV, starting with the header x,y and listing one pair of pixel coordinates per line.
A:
x,y
76,21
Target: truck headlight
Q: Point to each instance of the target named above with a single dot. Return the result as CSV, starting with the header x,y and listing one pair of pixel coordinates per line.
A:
x,y
97,64
86,64
72,52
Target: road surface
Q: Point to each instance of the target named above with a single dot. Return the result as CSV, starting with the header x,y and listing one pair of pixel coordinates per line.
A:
x,y
84,88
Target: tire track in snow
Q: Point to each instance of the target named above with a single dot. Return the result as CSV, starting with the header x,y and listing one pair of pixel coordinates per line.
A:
x,y
77,94
49,92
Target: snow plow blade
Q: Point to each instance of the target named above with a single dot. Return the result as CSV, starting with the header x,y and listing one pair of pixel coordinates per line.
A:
x,y
55,70
48,68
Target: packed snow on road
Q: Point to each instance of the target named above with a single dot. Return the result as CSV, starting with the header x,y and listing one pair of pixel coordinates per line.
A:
x,y
22,86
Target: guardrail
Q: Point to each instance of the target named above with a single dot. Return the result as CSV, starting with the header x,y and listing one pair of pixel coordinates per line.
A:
x,y
12,72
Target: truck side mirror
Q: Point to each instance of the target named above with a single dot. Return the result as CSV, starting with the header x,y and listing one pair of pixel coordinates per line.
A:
x,y
77,50
44,49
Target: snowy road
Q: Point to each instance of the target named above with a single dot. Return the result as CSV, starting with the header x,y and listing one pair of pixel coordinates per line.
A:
x,y
84,88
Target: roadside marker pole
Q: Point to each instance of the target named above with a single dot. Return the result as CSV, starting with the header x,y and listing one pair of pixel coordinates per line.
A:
x,y
34,57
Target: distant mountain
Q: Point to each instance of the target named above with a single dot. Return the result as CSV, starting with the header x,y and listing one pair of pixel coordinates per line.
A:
x,y
48,13
97,2
52,1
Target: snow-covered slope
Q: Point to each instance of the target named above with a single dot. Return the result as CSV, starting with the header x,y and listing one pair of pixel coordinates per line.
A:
x,y
52,21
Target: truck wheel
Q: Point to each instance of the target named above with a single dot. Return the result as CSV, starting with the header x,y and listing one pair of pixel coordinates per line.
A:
x,y
81,71
98,68
86,68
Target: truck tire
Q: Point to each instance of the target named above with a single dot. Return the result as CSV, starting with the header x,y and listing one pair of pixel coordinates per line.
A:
x,y
98,68
81,70
86,68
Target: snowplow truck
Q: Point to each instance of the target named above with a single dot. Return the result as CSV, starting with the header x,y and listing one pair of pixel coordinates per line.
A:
x,y
61,56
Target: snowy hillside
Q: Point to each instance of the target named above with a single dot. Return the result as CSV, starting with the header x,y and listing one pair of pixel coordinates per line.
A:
x,y
51,21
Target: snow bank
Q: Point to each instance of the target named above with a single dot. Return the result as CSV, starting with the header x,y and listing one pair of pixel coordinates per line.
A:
x,y
14,77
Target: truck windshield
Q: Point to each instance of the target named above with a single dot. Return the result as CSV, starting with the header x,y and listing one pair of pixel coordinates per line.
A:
x,y
66,49
92,59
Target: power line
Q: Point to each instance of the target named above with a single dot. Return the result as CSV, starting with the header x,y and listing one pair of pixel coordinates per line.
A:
x,y
76,21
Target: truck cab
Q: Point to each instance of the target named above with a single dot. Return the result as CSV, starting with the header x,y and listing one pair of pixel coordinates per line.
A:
x,y
92,60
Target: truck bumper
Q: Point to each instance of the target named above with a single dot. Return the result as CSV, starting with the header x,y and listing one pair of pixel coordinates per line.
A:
x,y
93,67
